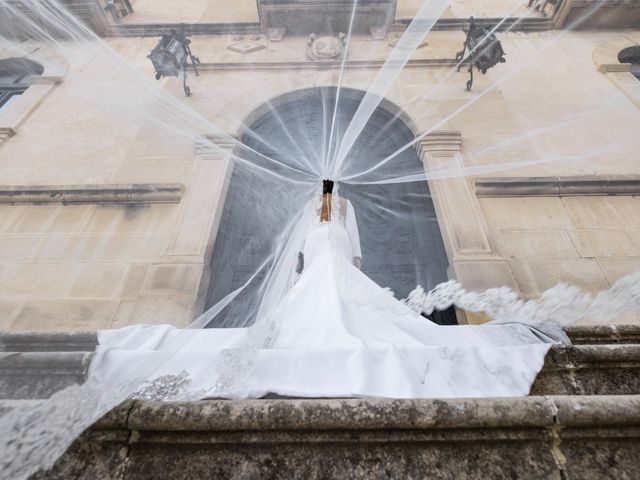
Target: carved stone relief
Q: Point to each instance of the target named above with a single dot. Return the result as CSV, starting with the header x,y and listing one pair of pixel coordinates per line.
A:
x,y
325,48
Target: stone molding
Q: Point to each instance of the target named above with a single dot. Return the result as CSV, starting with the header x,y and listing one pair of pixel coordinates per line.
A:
x,y
14,116
605,57
512,24
610,13
557,186
219,146
325,65
97,194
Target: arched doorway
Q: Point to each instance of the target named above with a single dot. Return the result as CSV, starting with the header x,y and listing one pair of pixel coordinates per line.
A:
x,y
399,251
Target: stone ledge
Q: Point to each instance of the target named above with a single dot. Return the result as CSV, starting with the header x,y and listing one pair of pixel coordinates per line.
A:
x,y
79,194
39,375
557,186
87,341
525,437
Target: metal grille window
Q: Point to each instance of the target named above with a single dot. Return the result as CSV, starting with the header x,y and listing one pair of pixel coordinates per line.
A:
x,y
15,78
7,94
631,55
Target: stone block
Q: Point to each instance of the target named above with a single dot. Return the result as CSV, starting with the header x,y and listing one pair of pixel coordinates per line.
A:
x,y
480,274
135,278
108,449
603,243
35,281
525,213
132,219
18,249
535,244
617,267
173,279
534,276
101,248
99,280
65,314
174,310
156,170
48,218
593,212
7,311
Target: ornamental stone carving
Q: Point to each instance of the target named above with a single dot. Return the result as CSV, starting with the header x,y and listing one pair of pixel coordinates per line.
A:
x,y
325,48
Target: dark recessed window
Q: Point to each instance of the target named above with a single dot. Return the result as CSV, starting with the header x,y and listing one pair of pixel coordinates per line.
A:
x,y
15,77
631,55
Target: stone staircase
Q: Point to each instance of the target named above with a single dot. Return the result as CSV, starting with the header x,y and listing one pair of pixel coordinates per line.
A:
x,y
581,421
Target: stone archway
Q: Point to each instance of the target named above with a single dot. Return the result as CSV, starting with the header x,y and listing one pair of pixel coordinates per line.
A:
x,y
398,254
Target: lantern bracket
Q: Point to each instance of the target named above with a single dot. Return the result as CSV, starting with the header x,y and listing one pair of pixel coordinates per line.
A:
x,y
485,50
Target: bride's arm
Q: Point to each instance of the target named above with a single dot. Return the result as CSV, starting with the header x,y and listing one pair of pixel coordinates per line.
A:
x,y
352,229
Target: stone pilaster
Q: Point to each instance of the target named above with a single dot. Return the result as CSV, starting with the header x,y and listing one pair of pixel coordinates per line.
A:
x,y
192,240
472,259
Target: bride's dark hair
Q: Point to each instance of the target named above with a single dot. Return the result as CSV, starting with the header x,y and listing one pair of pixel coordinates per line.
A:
x,y
327,186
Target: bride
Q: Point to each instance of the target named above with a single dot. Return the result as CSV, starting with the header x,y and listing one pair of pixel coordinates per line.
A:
x,y
334,333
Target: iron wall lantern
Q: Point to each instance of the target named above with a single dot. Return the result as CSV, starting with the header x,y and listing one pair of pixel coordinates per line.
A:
x,y
485,50
171,55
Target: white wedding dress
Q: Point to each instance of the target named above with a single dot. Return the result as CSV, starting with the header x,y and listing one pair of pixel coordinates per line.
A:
x,y
335,333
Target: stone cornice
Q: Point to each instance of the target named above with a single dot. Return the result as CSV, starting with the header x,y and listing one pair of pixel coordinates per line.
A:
x,y
564,18
557,186
27,341
78,194
514,24
310,65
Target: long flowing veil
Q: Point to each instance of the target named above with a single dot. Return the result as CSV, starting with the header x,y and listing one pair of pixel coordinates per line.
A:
x,y
258,145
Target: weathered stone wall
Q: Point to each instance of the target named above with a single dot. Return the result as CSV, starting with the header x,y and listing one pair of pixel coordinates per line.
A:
x,y
533,437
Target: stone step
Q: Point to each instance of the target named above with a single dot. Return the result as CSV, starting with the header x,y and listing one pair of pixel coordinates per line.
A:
x,y
576,370
555,437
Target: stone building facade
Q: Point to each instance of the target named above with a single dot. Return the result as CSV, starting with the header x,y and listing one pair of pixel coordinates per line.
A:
x,y
105,223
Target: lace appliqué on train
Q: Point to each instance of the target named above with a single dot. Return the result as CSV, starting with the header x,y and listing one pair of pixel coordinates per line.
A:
x,y
168,387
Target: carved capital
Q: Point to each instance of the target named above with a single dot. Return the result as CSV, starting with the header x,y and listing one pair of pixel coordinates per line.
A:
x,y
216,145
441,141
6,133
